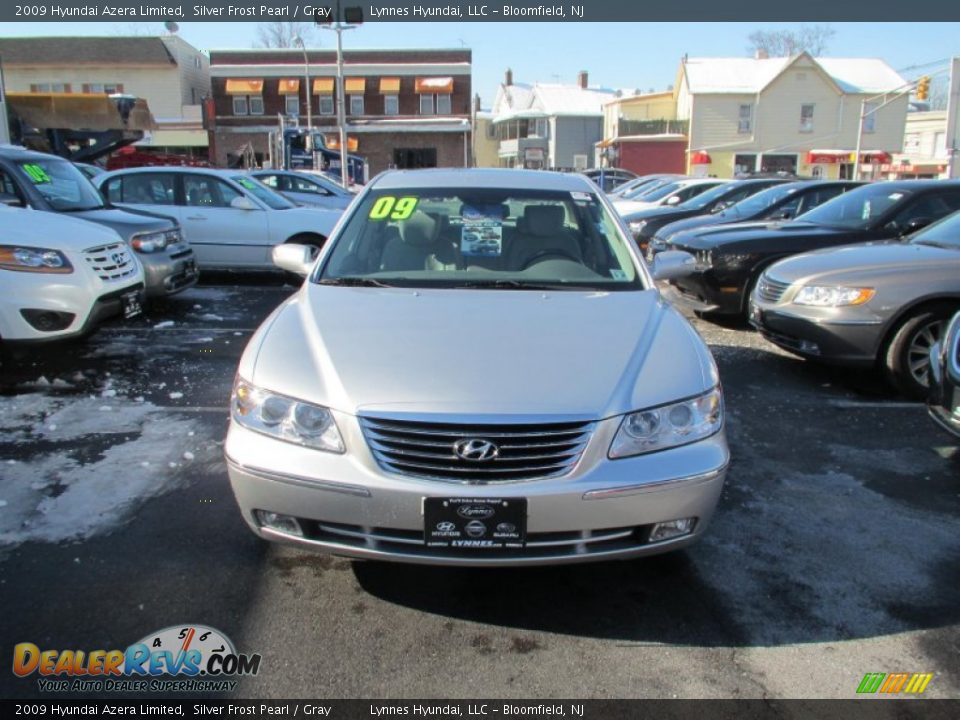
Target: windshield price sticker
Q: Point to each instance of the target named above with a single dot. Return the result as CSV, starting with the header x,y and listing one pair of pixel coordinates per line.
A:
x,y
36,173
389,207
247,183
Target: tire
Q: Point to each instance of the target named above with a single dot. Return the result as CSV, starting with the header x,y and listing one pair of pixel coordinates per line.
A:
x,y
906,360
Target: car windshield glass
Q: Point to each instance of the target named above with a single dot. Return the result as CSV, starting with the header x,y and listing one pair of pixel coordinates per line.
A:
x,y
481,238
658,193
857,208
761,201
945,233
708,197
645,187
61,184
264,194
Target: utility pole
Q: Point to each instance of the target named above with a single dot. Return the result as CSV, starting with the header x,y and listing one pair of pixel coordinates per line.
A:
x,y
341,22
4,120
953,125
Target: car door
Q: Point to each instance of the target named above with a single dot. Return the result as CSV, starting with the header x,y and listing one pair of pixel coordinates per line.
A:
x,y
223,235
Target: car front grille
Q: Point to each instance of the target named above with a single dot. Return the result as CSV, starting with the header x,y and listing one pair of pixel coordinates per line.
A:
x,y
111,262
523,451
770,290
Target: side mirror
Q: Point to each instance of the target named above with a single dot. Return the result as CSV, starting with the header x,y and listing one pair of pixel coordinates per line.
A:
x,y
10,200
242,203
294,257
674,200
671,264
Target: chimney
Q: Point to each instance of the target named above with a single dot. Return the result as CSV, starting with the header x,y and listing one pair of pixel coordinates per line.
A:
x,y
508,77
476,103
761,54
582,79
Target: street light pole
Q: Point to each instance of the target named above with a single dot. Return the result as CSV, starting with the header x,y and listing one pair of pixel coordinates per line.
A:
x,y
306,73
341,114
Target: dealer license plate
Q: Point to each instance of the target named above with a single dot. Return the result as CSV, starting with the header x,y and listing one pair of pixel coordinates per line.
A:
x,y
131,304
481,523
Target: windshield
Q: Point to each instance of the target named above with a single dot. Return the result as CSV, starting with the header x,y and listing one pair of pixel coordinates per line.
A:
x,y
61,184
945,233
658,193
708,197
482,238
644,187
264,194
761,201
858,208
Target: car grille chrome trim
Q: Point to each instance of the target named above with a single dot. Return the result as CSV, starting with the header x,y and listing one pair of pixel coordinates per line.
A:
x,y
111,262
771,290
525,451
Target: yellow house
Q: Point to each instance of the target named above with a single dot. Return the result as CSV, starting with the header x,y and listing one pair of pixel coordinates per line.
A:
x,y
798,114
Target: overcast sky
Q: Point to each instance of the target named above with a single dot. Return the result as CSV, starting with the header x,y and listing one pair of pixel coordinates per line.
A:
x,y
616,55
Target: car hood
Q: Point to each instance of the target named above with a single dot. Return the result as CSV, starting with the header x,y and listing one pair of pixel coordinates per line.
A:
x,y
629,207
582,355
862,261
658,212
754,232
127,222
691,223
53,230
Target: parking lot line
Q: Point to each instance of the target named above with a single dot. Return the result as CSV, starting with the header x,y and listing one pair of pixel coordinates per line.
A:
x,y
873,404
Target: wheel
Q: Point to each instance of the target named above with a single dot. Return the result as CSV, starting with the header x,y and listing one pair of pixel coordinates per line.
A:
x,y
907,357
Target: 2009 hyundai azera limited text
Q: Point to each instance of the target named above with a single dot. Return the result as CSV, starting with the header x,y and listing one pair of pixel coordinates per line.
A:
x,y
478,370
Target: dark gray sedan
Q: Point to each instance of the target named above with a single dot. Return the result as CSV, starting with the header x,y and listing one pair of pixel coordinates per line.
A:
x,y
883,303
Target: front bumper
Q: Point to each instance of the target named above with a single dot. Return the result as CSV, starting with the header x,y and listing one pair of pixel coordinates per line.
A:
x,y
347,505
814,333
170,271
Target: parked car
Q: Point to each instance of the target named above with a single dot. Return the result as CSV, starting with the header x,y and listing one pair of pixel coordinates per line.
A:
x,y
881,303
781,202
62,277
231,220
944,399
667,195
52,184
640,185
440,413
609,178
314,189
644,224
731,258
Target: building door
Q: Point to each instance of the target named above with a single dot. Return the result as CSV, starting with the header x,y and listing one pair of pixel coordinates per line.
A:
x,y
413,158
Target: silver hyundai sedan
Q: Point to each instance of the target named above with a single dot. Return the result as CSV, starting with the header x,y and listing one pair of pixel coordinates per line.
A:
x,y
478,370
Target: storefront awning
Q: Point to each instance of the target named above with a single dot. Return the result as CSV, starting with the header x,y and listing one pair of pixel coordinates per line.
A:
x,y
438,85
389,86
290,86
354,86
236,86
323,86
700,157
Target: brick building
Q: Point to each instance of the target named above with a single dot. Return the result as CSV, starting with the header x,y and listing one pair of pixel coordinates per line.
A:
x,y
404,108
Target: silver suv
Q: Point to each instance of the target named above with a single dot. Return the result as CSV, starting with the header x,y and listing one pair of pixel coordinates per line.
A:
x,y
419,402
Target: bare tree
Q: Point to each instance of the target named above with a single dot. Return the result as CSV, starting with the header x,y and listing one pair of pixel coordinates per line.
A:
x,y
939,92
813,39
282,34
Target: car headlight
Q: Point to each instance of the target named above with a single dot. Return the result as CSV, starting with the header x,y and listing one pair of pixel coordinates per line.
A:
x,y
34,259
155,241
637,227
669,425
822,296
284,418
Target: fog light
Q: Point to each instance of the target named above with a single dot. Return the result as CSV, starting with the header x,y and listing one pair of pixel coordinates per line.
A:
x,y
281,523
809,347
672,529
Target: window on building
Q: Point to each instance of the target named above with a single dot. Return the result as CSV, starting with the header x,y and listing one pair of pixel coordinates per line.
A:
x,y
426,105
240,105
107,88
256,105
745,119
744,164
580,162
539,128
806,118
870,120
940,145
415,158
391,104
356,104
326,105
443,105
50,88
292,104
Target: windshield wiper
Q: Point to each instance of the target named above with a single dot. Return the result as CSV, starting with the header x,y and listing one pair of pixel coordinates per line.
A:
x,y
516,285
354,282
83,209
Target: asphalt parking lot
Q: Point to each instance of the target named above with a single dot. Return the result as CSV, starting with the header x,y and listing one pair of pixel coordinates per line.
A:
x,y
833,552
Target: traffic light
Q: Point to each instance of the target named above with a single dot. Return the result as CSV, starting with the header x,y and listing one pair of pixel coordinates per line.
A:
x,y
923,88
323,15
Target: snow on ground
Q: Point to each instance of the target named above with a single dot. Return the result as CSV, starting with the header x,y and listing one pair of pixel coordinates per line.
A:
x,y
111,458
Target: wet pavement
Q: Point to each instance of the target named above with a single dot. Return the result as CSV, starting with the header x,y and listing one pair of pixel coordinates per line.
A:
x,y
833,553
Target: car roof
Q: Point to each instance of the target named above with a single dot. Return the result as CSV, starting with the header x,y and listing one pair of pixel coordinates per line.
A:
x,y
15,152
496,178
916,184
225,172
